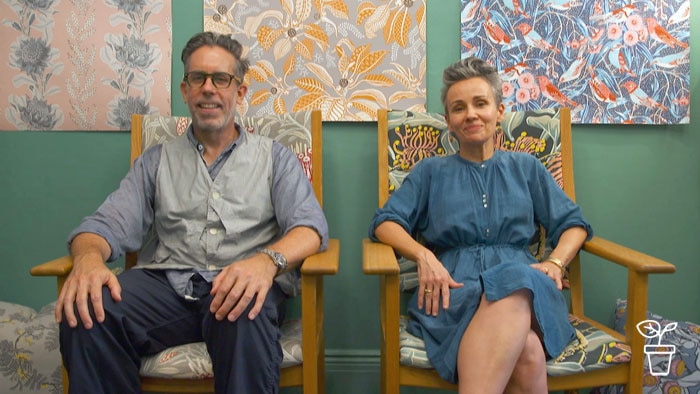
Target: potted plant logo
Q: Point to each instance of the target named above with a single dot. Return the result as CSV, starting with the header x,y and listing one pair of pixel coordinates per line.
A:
x,y
651,329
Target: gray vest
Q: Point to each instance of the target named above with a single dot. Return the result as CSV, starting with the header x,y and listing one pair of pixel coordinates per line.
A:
x,y
208,224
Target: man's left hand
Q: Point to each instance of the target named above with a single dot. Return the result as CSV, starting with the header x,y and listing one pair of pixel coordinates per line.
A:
x,y
238,284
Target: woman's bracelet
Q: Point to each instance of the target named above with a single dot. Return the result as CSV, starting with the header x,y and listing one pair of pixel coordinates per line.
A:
x,y
557,262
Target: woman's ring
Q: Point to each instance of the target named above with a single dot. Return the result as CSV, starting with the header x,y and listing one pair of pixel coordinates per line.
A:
x,y
427,291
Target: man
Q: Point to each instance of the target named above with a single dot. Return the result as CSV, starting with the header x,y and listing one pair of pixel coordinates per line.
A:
x,y
222,219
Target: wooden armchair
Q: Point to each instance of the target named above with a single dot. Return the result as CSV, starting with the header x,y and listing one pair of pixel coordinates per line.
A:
x,y
406,137
301,132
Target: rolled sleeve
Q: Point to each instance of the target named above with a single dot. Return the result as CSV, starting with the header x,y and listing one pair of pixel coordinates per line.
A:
x,y
293,196
125,217
555,210
407,205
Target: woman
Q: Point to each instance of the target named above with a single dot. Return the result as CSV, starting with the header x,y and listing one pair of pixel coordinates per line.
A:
x,y
489,313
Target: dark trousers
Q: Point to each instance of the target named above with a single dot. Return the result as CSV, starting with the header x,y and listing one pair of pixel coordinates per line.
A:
x,y
246,354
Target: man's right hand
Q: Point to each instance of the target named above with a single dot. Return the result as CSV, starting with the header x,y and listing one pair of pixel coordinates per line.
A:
x,y
83,287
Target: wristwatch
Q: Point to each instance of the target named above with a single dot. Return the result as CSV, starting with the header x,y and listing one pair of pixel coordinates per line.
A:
x,y
277,258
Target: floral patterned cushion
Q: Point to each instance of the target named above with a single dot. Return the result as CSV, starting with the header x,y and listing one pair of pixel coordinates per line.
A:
x,y
680,373
592,349
30,361
413,136
192,360
292,130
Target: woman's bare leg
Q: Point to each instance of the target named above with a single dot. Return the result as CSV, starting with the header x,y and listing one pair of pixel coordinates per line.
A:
x,y
530,372
493,343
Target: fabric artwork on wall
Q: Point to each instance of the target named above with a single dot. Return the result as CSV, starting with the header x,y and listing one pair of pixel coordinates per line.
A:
x,y
347,58
611,62
83,65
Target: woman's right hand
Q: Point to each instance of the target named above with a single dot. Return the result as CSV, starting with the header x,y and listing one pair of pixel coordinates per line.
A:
x,y
434,283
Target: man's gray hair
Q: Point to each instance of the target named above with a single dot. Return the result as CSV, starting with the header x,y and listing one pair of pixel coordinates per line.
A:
x,y
213,39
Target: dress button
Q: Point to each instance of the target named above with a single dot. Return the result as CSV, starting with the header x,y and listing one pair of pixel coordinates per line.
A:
x,y
216,195
213,231
212,267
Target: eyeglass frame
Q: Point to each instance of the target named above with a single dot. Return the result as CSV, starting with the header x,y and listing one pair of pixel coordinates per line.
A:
x,y
211,76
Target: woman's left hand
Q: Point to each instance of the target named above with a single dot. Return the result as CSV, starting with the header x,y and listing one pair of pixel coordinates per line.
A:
x,y
551,270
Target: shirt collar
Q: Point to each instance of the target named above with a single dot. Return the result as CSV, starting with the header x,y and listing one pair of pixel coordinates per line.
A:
x,y
199,147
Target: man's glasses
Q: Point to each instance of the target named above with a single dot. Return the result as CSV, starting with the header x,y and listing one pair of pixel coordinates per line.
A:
x,y
197,79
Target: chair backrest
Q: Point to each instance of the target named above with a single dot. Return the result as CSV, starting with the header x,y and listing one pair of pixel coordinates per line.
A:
x,y
412,136
300,131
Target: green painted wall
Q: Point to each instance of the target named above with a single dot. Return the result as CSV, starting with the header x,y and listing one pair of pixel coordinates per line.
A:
x,y
638,185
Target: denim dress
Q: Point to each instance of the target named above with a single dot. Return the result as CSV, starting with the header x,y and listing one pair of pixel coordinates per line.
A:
x,y
478,219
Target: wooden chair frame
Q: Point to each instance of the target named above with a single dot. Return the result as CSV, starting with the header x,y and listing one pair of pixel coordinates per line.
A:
x,y
311,373
379,259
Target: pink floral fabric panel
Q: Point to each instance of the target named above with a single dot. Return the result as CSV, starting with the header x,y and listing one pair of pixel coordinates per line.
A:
x,y
83,65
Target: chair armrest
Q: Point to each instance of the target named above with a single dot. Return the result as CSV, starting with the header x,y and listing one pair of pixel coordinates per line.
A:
x,y
630,258
323,263
378,258
57,267
312,308
639,265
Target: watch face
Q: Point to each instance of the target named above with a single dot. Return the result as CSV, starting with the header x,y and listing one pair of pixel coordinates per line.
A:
x,y
280,260
277,257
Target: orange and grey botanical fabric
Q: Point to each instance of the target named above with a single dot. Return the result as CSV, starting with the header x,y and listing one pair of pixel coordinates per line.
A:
x,y
346,58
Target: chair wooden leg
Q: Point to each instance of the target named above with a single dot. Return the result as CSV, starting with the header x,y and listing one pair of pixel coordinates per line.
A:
x,y
389,310
64,379
313,373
